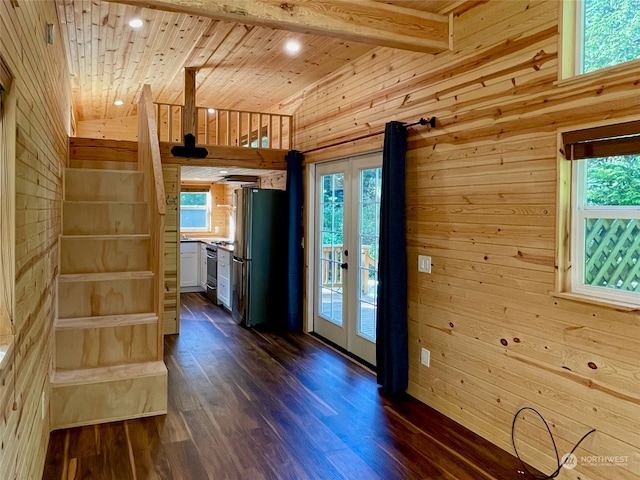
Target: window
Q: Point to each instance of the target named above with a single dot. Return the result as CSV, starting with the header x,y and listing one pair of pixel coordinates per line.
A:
x,y
607,33
195,208
605,211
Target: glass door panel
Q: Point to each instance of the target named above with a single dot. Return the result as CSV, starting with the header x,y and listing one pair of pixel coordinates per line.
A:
x,y
369,221
331,240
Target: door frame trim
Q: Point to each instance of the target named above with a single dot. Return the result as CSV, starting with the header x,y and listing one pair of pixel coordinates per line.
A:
x,y
310,246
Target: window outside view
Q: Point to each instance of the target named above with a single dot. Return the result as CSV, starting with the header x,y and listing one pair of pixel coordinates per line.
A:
x,y
612,235
611,185
611,33
194,211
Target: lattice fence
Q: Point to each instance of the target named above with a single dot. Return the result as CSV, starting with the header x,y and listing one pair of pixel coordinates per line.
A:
x,y
612,253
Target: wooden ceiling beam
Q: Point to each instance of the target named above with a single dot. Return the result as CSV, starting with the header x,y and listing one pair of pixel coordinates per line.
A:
x,y
363,21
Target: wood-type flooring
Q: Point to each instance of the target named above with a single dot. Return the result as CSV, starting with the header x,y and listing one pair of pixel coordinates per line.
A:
x,y
250,405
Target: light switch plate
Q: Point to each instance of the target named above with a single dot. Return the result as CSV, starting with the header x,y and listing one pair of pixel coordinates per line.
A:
x,y
424,263
425,357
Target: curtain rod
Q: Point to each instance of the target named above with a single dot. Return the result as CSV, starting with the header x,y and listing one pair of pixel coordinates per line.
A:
x,y
431,122
422,121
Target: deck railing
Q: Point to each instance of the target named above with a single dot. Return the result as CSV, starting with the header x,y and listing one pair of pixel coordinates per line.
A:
x,y
332,271
612,253
227,128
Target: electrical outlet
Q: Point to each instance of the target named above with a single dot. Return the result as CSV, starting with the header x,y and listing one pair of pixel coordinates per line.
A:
x,y
424,263
425,357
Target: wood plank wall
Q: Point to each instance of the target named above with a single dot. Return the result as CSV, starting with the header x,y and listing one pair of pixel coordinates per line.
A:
x,y
276,181
43,100
123,128
171,174
481,200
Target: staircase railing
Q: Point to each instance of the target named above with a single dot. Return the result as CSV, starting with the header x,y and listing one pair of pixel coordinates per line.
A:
x,y
150,162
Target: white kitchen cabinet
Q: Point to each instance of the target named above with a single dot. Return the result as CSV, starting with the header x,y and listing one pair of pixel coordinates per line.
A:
x,y
203,266
189,264
224,277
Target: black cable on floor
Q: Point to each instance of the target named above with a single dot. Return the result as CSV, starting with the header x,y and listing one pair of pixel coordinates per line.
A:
x,y
553,441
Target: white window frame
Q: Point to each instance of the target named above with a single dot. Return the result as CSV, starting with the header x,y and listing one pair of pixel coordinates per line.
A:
x,y
579,213
578,51
206,228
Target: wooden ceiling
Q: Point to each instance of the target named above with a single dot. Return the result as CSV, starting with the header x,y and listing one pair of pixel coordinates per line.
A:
x,y
216,174
241,66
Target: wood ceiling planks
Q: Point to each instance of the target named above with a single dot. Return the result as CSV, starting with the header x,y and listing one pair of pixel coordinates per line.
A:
x,y
365,21
242,66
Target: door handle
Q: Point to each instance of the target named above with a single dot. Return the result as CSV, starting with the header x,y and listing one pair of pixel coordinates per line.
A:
x,y
344,266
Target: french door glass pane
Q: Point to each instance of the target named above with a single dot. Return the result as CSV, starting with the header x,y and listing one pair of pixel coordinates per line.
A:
x,y
368,235
331,234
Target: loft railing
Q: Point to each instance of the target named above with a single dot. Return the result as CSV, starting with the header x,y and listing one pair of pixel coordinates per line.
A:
x,y
150,162
226,128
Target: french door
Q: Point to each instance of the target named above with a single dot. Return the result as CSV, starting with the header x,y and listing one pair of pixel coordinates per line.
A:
x,y
347,225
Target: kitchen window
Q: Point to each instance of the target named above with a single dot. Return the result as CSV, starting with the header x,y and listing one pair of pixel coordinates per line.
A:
x,y
604,216
195,209
598,34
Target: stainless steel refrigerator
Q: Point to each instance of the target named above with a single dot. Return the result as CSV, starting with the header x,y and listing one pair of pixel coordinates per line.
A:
x,y
259,257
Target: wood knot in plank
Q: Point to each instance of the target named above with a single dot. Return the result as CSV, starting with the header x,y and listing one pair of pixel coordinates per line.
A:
x,y
287,6
234,10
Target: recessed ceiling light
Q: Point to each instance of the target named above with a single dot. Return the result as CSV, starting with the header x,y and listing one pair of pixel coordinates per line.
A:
x,y
211,110
222,172
135,22
292,46
118,103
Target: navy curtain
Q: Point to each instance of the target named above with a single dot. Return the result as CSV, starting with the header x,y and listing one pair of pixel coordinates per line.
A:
x,y
294,241
392,357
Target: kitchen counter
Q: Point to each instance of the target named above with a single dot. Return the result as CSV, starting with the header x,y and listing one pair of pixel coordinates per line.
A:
x,y
203,240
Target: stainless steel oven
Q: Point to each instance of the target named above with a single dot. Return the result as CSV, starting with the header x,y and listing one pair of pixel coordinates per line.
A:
x,y
212,273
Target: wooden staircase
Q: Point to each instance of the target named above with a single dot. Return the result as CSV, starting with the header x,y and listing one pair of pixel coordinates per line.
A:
x,y
108,337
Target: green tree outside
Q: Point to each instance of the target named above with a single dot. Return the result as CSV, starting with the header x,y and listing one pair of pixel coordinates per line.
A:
x,y
611,33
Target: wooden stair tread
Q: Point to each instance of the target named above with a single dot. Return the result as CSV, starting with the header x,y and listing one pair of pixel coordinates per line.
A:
x,y
105,321
102,170
103,276
106,202
62,378
106,236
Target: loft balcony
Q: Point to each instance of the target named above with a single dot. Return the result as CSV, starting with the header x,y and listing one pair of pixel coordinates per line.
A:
x,y
226,128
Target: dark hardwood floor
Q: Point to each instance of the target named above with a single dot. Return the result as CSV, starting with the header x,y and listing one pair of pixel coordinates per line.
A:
x,y
250,405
